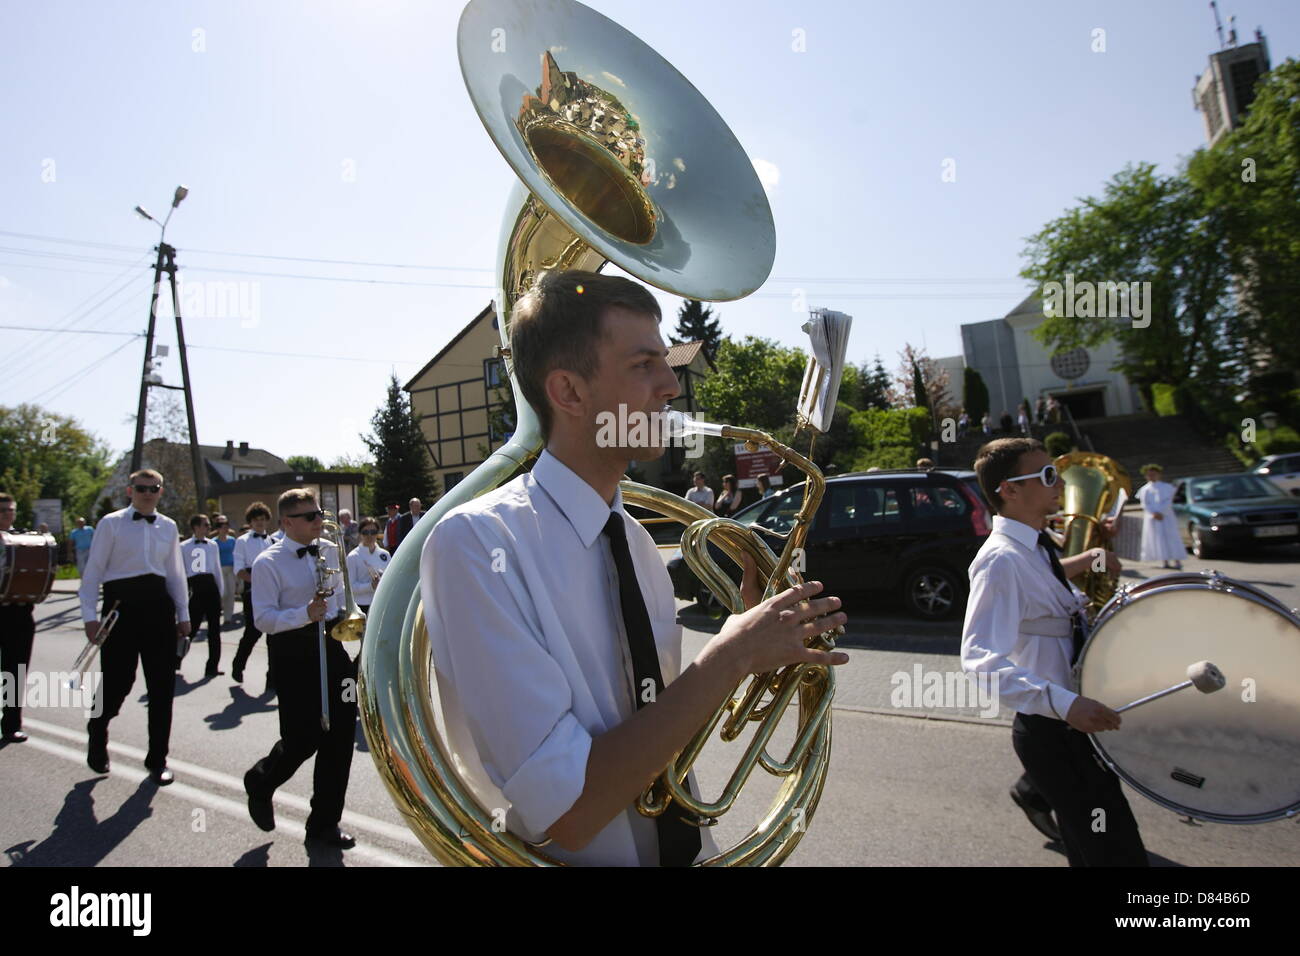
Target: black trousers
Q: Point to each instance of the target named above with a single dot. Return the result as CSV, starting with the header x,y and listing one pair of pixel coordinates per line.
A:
x,y
1063,767
295,660
145,633
205,605
17,628
251,636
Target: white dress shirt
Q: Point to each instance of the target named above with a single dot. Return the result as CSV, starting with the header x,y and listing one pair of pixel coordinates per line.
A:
x,y
248,546
701,496
360,562
284,584
1018,622
521,601
202,557
126,548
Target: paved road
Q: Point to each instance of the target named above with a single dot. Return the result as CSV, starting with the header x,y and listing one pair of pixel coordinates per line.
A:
x,y
901,790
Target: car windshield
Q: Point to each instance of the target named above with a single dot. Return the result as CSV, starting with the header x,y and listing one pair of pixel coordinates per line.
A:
x,y
1225,487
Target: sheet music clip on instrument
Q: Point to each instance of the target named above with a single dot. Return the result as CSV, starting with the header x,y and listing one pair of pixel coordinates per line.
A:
x,y
828,332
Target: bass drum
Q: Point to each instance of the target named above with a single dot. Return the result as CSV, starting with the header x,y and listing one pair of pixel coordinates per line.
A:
x,y
1232,756
27,565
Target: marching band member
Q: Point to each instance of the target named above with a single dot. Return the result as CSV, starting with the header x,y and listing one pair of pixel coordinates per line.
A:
x,y
202,560
136,555
1025,623
247,549
551,613
17,629
287,608
366,564
1161,540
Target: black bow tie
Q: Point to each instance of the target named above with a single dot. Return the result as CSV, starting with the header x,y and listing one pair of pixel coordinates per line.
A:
x,y
309,548
256,535
149,518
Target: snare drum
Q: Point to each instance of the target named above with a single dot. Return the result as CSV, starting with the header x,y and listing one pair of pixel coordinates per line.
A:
x,y
27,563
1232,756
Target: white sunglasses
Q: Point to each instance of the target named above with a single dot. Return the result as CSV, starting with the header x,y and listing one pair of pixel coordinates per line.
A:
x,y
1048,475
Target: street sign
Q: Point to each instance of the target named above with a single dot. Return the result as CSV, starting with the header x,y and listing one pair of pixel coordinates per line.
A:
x,y
751,464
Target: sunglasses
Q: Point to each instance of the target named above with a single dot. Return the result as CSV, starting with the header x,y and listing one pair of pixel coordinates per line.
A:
x,y
148,489
1047,475
370,531
307,515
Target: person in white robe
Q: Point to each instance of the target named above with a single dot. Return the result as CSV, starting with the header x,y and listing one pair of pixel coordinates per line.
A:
x,y
1161,540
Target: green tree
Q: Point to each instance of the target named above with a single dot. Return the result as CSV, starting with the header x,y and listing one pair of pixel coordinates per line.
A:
x,y
976,396
1250,181
365,491
756,384
402,467
1145,228
47,455
876,386
697,322
889,438
919,397
304,463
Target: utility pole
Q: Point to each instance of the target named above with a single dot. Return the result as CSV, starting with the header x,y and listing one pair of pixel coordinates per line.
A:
x,y
167,263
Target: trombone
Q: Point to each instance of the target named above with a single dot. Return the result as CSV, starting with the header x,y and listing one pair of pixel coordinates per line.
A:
x,y
353,623
93,644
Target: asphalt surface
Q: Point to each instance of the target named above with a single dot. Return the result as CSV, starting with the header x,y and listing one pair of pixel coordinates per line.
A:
x,y
907,786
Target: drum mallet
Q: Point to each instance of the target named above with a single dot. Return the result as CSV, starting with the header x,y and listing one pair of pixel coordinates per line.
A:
x,y
1202,675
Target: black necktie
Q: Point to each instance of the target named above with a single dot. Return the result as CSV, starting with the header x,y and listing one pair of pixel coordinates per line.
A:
x,y
256,535
679,841
311,548
1076,625
149,518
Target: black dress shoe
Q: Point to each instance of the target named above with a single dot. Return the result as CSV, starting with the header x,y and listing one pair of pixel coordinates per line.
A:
x,y
213,673
336,838
97,756
259,808
237,675
16,737
162,777
1041,819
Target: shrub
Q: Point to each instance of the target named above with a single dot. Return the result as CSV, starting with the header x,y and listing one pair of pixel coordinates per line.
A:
x,y
1279,441
1058,443
1165,399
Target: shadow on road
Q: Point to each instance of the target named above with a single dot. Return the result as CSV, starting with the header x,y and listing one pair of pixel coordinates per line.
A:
x,y
259,856
242,704
78,838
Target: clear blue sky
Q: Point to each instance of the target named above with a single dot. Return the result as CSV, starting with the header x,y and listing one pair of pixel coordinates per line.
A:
x,y
108,105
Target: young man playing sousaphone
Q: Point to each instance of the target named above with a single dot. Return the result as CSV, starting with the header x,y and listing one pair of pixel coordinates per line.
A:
x,y
1026,624
550,611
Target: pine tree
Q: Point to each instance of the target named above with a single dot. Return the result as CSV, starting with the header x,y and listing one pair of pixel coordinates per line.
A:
x,y
402,465
876,386
919,394
696,322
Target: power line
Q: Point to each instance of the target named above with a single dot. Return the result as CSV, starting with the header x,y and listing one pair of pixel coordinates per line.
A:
x,y
306,355
71,380
37,328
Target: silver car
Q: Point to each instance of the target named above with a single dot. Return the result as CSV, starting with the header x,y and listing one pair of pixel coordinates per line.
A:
x,y
1282,470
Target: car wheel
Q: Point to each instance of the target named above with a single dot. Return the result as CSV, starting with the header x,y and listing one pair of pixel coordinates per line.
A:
x,y
932,592
1200,547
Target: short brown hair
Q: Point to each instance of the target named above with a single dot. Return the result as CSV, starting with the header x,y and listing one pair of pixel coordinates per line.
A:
x,y
196,520
294,496
145,473
996,462
558,323
257,509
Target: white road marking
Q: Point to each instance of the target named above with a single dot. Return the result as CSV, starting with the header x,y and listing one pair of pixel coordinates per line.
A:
x,y
236,808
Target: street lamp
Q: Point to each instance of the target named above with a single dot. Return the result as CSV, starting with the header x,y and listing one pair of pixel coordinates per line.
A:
x,y
149,378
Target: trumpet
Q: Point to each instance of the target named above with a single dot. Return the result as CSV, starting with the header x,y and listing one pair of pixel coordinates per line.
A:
x,y
93,644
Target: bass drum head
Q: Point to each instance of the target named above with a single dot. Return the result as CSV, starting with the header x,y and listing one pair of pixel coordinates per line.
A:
x,y
1232,756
